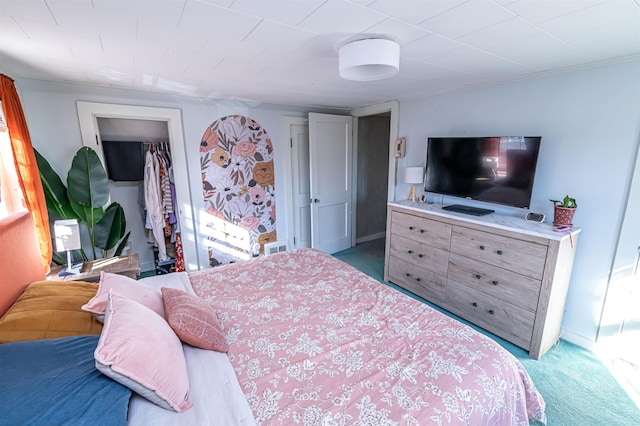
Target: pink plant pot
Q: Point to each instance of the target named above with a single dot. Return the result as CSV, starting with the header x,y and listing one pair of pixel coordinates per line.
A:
x,y
563,215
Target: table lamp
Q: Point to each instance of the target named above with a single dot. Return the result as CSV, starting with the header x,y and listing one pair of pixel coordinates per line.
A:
x,y
67,235
413,175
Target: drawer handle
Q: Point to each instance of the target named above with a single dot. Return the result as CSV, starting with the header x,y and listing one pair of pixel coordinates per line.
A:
x,y
494,282
410,251
481,247
408,274
478,276
411,228
418,279
499,252
421,255
422,231
490,311
475,305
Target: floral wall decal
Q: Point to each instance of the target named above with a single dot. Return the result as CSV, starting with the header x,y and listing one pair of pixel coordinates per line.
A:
x,y
236,161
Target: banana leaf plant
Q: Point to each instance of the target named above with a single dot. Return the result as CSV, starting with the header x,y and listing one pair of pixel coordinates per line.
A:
x,y
84,198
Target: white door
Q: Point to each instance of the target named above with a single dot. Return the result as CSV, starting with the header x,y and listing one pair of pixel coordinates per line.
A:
x,y
301,191
330,161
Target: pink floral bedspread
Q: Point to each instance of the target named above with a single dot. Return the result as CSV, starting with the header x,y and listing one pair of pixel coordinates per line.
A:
x,y
316,342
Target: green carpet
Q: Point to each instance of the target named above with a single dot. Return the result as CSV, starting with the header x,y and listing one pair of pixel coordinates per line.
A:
x,y
576,385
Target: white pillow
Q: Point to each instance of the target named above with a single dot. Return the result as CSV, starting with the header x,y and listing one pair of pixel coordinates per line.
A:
x,y
177,280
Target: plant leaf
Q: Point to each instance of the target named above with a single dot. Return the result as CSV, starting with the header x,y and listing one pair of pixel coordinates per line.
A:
x,y
57,259
55,193
87,180
86,214
122,244
111,228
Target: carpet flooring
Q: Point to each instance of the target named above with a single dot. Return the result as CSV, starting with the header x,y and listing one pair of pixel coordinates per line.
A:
x,y
576,385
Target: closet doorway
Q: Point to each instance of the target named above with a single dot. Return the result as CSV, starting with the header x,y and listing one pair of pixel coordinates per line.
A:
x,y
160,121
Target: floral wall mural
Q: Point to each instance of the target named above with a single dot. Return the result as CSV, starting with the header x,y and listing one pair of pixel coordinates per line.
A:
x,y
236,160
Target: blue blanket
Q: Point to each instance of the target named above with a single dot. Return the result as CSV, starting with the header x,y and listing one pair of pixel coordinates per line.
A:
x,y
55,382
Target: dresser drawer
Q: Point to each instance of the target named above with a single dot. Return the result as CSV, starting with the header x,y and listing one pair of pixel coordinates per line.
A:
x,y
431,232
423,255
513,288
417,280
504,319
523,257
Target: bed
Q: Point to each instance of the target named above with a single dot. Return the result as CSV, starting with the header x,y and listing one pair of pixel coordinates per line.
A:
x,y
313,341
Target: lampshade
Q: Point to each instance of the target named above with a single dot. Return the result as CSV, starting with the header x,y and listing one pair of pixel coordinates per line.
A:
x,y
67,234
369,59
413,175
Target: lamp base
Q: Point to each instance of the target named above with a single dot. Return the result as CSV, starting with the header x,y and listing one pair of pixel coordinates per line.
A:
x,y
413,194
70,270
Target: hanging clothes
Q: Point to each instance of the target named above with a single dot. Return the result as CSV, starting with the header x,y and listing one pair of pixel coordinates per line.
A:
x,y
153,203
162,212
179,254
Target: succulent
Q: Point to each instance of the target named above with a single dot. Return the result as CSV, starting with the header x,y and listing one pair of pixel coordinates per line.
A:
x,y
567,202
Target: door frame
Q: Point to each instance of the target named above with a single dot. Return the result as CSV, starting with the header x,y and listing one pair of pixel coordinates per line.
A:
x,y
88,114
392,107
622,276
288,175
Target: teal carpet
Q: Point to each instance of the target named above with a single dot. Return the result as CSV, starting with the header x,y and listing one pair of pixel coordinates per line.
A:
x,y
577,387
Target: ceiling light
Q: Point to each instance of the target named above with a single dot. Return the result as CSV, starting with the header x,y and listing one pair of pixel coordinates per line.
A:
x,y
369,59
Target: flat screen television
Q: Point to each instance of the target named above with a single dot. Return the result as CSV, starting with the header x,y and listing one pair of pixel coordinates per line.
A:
x,y
498,169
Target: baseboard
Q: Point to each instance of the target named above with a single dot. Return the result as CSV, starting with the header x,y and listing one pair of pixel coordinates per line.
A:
x,y
370,237
147,266
579,340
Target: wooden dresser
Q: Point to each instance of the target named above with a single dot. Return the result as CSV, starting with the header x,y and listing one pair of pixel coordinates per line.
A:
x,y
499,272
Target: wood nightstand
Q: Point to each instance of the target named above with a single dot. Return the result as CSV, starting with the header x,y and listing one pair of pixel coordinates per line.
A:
x,y
123,265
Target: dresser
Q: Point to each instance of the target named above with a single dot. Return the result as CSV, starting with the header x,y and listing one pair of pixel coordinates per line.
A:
x,y
499,272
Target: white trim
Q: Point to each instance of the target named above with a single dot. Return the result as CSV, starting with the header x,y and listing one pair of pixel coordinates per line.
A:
x,y
371,237
88,113
288,175
579,340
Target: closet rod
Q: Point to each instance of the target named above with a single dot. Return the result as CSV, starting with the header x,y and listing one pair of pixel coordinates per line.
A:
x,y
161,145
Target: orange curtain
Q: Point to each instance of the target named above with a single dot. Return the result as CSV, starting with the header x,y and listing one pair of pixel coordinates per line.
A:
x,y
26,166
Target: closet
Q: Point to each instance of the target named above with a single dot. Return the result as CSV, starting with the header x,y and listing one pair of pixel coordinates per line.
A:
x,y
140,153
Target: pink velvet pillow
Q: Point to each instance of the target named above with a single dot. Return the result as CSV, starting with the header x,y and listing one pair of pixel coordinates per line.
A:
x,y
193,320
139,350
124,286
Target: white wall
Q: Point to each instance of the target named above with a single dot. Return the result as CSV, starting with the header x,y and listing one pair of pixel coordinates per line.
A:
x,y
50,109
589,121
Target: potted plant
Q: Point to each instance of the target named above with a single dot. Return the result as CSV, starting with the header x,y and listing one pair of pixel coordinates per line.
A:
x,y
563,211
85,198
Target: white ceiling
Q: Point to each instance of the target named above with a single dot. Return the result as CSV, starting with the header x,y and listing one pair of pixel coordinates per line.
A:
x,y
286,51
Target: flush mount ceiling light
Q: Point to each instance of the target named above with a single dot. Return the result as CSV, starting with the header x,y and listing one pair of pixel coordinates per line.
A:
x,y
369,59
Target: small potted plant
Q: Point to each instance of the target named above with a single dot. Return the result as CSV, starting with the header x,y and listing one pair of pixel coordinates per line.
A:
x,y
563,211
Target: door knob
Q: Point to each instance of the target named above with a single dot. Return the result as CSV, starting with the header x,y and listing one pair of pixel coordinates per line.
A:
x,y
315,200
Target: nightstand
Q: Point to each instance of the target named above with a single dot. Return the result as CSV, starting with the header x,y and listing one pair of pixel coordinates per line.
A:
x,y
123,265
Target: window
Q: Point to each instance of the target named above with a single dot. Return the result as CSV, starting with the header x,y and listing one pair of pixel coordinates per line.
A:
x,y
11,199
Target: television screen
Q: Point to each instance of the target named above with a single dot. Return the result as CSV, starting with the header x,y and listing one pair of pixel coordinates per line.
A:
x,y
497,169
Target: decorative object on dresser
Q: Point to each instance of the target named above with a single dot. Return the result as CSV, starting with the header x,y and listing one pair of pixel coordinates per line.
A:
x,y
499,272
67,237
535,217
413,175
563,211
